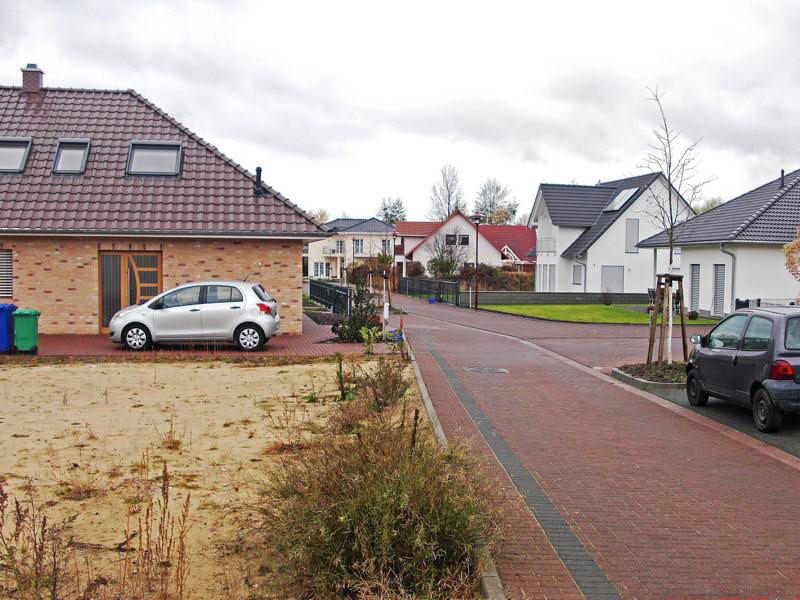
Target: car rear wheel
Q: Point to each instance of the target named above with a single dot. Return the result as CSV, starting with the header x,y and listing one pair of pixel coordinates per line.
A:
x,y
694,390
249,338
136,338
766,416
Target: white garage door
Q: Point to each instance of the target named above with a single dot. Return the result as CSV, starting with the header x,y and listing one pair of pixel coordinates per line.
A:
x,y
612,279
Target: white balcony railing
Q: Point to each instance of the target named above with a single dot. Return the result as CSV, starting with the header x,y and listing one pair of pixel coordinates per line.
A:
x,y
545,245
332,252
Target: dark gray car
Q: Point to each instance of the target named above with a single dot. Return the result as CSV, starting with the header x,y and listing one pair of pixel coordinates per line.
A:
x,y
752,358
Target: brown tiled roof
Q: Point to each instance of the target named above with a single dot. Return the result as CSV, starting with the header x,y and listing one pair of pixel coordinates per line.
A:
x,y
416,228
212,196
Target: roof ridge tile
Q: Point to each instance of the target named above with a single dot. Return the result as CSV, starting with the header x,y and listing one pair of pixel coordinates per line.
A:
x,y
781,192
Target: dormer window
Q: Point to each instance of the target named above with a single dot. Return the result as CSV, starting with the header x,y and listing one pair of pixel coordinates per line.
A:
x,y
14,154
71,157
154,158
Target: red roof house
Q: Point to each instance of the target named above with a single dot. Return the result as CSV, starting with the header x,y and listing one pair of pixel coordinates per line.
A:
x,y
106,200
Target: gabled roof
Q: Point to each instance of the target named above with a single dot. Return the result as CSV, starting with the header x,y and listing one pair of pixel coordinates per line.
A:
x,y
575,205
370,225
768,214
416,228
212,195
607,218
520,239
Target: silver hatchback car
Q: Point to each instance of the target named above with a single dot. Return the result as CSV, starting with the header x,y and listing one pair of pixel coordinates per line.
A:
x,y
217,311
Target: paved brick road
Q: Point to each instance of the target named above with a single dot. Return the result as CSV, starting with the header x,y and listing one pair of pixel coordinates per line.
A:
x,y
632,499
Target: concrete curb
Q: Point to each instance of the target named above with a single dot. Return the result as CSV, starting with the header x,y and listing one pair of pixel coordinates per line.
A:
x,y
653,387
491,585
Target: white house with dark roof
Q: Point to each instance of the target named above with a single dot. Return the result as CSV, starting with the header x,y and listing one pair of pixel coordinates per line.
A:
x,y
587,235
353,241
736,249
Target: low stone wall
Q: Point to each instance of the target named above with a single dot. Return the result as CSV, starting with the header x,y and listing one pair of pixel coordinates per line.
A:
x,y
552,298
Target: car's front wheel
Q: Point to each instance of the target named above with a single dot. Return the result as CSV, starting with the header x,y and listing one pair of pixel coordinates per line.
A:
x,y
694,390
766,416
249,338
136,338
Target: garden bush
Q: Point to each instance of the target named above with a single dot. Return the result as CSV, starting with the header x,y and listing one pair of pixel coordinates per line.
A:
x,y
692,315
415,269
384,513
363,313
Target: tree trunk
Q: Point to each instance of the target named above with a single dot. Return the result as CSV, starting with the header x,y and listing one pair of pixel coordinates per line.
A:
x,y
671,312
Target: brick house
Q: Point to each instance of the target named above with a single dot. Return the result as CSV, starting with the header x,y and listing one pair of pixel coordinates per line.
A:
x,y
106,201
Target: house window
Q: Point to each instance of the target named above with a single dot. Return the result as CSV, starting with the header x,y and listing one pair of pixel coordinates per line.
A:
x,y
450,239
358,246
14,154
463,240
339,246
386,246
577,274
71,157
154,158
319,269
631,236
6,288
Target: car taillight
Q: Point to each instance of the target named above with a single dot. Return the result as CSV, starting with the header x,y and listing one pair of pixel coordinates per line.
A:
x,y
264,308
781,370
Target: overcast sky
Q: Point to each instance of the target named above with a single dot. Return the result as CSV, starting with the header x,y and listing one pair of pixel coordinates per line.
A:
x,y
343,103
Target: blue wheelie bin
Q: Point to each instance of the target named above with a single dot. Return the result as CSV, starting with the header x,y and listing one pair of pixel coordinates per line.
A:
x,y
7,327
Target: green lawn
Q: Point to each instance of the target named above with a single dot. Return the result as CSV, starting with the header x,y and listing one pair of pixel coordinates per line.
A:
x,y
585,313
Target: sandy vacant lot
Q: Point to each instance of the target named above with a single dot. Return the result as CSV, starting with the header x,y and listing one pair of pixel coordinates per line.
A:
x,y
73,425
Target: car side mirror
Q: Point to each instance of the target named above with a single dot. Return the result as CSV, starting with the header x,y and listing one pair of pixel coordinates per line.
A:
x,y
158,304
696,339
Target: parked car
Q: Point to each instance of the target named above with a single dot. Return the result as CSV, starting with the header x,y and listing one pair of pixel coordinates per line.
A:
x,y
751,358
221,311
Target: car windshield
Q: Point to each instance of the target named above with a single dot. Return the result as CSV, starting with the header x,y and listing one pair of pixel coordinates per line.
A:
x,y
261,293
792,334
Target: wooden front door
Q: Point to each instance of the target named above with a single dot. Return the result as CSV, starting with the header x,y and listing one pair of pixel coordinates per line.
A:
x,y
127,278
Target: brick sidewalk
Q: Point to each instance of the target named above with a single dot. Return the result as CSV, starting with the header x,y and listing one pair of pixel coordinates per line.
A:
x,y
308,344
626,493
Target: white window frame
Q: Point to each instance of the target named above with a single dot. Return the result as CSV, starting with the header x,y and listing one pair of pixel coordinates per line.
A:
x,y
630,239
6,274
358,246
386,246
577,269
339,246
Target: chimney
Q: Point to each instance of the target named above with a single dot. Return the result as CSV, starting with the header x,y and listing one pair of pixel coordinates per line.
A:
x,y
259,189
32,79
781,177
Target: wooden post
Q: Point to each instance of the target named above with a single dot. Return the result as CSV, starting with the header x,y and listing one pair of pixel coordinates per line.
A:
x,y
667,288
683,318
653,321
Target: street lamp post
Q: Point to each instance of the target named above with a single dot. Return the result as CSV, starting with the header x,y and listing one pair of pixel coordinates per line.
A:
x,y
476,218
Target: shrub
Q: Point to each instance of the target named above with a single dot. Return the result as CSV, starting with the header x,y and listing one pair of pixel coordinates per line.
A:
x,y
415,269
369,335
363,313
386,513
692,315
385,385
505,277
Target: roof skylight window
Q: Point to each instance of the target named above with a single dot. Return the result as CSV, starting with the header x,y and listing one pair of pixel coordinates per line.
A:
x,y
620,199
71,157
14,154
154,158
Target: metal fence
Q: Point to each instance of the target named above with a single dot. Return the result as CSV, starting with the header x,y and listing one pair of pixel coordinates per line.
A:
x,y
339,299
441,291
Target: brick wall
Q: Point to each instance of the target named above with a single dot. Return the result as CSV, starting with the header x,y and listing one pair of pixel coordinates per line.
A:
x,y
59,276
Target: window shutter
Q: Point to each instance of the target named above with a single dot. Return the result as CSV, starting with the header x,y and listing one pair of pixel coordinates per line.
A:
x,y
718,300
6,288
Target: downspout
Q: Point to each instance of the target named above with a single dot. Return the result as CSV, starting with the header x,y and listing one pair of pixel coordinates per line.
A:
x,y
733,274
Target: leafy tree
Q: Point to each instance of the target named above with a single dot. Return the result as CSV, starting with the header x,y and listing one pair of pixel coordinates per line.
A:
x,y
391,210
415,269
708,205
447,196
493,203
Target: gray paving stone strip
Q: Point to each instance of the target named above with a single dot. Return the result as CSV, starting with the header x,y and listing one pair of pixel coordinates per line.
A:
x,y
588,575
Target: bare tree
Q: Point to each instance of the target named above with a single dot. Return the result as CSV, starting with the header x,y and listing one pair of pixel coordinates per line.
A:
x,y
447,196
678,163
391,210
321,215
522,219
448,255
494,204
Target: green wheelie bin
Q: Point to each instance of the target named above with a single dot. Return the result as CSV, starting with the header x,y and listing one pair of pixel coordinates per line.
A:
x,y
26,331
